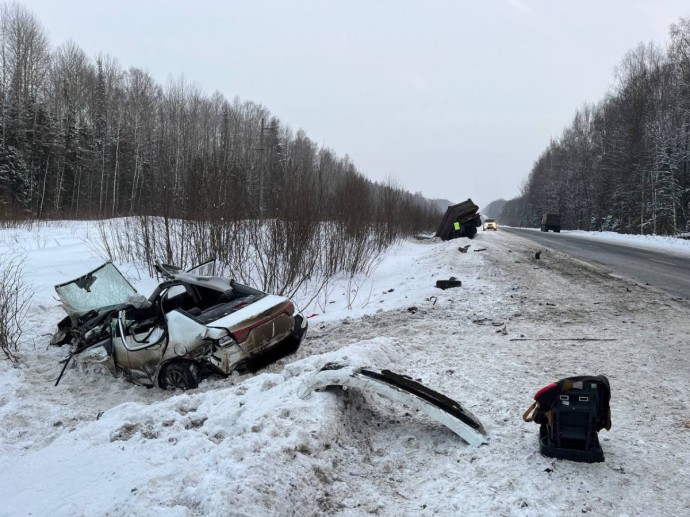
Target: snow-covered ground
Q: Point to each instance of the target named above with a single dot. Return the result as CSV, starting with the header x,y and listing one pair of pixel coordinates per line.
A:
x,y
247,445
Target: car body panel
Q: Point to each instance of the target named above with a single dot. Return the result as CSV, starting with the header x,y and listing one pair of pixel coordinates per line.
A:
x,y
184,333
402,389
261,308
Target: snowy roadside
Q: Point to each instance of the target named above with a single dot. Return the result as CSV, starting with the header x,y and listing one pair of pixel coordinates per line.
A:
x,y
246,445
651,242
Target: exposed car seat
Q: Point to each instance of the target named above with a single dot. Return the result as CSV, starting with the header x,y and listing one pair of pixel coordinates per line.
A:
x,y
194,311
570,413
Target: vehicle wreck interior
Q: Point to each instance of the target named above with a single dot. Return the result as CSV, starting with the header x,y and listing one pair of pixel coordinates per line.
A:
x,y
205,304
201,304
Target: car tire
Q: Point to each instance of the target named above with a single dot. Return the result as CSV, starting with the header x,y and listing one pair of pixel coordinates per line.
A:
x,y
179,375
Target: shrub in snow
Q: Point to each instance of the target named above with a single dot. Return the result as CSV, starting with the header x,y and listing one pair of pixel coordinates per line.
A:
x,y
15,296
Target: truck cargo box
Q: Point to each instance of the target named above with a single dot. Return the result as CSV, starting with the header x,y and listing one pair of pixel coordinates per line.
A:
x,y
551,222
465,214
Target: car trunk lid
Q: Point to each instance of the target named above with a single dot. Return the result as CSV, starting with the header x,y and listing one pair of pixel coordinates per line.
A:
x,y
260,323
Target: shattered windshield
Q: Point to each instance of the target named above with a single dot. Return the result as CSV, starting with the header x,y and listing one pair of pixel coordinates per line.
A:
x,y
99,288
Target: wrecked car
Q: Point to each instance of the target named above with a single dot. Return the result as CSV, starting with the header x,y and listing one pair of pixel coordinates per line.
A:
x,y
193,324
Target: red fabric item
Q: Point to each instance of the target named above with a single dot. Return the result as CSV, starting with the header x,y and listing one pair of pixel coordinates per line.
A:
x,y
543,394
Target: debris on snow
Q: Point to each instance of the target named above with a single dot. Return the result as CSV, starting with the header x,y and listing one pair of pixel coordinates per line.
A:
x,y
448,284
402,389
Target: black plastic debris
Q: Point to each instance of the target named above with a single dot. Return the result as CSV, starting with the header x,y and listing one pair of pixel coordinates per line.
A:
x,y
447,284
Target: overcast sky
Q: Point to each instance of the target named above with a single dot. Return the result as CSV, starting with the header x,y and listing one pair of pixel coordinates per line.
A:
x,y
455,99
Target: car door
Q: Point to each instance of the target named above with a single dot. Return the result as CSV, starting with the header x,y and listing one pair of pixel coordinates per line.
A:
x,y
139,342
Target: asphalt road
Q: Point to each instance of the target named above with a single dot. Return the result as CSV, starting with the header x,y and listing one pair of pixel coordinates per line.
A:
x,y
664,270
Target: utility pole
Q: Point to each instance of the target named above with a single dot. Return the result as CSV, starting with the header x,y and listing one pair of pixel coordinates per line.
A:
x,y
261,171
262,166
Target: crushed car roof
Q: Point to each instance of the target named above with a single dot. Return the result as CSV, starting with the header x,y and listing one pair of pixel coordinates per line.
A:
x,y
199,275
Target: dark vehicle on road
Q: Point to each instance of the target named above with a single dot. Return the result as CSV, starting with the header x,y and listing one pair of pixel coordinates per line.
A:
x,y
551,222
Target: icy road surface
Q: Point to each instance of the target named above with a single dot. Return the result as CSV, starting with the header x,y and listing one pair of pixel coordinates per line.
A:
x,y
247,445
665,268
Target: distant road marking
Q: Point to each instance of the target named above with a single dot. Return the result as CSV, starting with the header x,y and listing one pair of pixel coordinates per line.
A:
x,y
662,262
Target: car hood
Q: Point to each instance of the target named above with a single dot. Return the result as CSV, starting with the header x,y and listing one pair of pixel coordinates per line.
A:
x,y
101,287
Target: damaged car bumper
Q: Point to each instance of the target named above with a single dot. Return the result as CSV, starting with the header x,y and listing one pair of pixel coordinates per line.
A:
x,y
404,390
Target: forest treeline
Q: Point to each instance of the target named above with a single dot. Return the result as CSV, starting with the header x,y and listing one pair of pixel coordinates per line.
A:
x,y
86,138
622,164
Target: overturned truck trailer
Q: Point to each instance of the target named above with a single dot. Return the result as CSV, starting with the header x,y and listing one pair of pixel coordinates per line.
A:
x,y
460,220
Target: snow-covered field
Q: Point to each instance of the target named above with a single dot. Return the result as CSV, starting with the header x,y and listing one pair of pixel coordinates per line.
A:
x,y
247,445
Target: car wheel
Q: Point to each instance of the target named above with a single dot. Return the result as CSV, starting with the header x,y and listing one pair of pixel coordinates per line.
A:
x,y
179,375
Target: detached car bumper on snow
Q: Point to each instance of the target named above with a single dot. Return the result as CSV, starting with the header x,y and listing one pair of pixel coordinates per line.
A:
x,y
191,325
402,389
